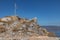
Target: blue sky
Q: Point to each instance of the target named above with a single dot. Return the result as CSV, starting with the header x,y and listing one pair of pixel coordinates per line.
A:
x,y
47,11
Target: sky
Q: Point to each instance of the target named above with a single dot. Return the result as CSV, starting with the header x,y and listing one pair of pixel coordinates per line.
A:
x,y
46,11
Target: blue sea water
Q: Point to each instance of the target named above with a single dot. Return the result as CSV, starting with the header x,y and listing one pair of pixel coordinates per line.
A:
x,y
54,29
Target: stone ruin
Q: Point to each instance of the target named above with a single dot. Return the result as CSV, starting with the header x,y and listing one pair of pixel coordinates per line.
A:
x,y
14,26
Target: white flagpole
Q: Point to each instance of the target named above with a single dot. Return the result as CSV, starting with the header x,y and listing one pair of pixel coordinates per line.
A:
x,y
15,9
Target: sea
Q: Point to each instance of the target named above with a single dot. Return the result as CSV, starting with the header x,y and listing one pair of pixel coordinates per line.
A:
x,y
54,29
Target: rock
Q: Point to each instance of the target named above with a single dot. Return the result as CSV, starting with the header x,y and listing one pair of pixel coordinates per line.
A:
x,y
15,27
2,29
50,34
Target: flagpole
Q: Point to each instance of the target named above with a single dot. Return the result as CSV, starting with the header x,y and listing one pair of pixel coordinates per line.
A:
x,y
15,9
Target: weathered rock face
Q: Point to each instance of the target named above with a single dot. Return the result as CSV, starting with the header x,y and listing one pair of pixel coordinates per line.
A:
x,y
15,26
50,34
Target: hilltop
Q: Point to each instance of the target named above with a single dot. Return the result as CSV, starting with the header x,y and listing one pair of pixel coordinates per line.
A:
x,y
14,26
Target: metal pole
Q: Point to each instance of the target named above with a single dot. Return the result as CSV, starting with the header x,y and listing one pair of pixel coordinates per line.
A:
x,y
15,9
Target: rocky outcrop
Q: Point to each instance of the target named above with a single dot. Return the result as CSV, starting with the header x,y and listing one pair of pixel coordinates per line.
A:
x,y
16,26
50,34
